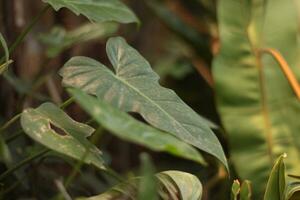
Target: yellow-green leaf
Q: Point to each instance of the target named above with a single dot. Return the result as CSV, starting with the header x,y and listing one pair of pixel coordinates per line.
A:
x,y
51,127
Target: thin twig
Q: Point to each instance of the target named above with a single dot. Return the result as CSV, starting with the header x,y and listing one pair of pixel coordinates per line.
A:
x,y
22,36
22,163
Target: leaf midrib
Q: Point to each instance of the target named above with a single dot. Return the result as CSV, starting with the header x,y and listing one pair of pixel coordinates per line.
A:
x,y
158,106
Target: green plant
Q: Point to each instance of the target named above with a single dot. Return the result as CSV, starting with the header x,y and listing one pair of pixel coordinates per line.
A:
x,y
257,92
51,127
256,97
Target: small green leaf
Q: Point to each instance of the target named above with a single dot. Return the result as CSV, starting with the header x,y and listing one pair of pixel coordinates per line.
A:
x,y
276,183
5,155
147,185
126,127
59,39
4,66
97,11
246,191
5,48
50,126
134,87
184,186
235,189
126,190
187,185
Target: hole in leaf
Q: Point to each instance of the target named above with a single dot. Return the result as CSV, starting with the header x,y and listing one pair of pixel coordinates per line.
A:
x,y
58,130
138,117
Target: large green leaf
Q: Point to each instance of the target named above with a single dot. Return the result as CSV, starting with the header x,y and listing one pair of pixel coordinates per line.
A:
x,y
259,109
59,39
134,87
51,127
126,127
181,185
175,185
97,10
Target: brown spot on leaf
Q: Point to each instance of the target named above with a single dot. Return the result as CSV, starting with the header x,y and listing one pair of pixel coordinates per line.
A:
x,y
58,130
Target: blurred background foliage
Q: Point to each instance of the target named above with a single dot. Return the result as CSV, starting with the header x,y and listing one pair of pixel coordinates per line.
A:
x,y
178,38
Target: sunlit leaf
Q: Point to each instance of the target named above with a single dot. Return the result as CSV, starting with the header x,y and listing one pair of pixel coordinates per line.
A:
x,y
60,39
51,127
97,11
126,127
257,105
134,87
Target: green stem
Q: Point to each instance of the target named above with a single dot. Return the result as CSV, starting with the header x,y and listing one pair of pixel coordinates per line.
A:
x,y
113,174
22,163
81,162
67,103
21,37
15,118
10,122
76,169
14,136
